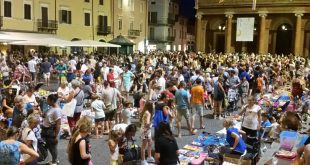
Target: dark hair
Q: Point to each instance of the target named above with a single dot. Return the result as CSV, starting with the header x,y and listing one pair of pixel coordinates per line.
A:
x,y
198,81
131,128
53,98
11,131
165,131
162,96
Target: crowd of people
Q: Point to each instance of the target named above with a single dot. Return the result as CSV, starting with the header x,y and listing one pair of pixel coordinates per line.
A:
x,y
158,89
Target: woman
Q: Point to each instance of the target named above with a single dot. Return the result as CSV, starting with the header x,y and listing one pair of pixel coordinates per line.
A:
x,y
127,136
29,97
19,111
78,149
296,89
29,137
233,137
8,102
70,73
166,147
219,95
161,113
63,90
77,94
251,120
51,126
11,149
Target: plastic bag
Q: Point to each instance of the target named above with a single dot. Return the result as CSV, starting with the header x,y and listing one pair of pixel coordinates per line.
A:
x,y
69,108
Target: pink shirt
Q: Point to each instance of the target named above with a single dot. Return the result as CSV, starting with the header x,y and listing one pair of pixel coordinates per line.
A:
x,y
141,104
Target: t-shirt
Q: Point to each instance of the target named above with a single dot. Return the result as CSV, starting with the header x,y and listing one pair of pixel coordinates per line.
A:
x,y
9,153
127,76
197,94
32,65
110,97
46,67
181,99
52,115
167,149
250,120
121,127
87,91
241,146
266,123
98,106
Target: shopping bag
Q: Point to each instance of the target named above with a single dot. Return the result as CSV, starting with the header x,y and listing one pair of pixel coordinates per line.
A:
x,y
69,108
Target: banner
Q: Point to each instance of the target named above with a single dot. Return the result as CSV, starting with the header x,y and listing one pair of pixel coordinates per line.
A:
x,y
245,29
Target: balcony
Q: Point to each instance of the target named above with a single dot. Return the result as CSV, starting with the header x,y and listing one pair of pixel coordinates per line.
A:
x,y
103,30
171,38
49,26
162,22
133,33
165,39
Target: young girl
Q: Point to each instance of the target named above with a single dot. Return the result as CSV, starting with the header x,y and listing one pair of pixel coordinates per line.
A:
x,y
113,146
98,107
146,136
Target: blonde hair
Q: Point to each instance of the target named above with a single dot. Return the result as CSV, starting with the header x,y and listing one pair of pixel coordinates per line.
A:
x,y
229,121
33,118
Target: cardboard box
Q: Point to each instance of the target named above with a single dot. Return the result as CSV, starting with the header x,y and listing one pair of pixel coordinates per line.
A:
x,y
230,158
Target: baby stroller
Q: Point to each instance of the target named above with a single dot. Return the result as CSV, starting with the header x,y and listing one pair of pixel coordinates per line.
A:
x,y
232,98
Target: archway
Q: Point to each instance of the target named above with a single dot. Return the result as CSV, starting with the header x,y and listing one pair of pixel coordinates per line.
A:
x,y
284,39
220,38
76,49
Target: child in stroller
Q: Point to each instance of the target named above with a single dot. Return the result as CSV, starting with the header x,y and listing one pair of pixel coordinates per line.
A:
x,y
232,98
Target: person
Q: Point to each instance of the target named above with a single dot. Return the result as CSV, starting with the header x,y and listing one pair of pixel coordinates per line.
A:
x,y
46,69
98,106
29,137
113,147
127,77
219,95
10,149
182,105
29,97
126,113
19,111
197,103
251,121
32,64
77,94
146,133
127,136
51,126
5,71
265,120
233,136
61,68
244,90
78,148
8,102
166,147
161,113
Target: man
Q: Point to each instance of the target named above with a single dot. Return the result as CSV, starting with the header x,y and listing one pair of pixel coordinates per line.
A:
x,y
182,106
161,81
193,79
32,69
127,77
197,103
46,69
110,77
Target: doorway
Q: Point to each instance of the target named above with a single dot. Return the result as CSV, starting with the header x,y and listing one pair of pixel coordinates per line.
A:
x,y
284,39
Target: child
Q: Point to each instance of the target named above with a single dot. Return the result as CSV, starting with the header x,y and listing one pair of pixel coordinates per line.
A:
x,y
244,86
113,146
126,113
98,107
146,136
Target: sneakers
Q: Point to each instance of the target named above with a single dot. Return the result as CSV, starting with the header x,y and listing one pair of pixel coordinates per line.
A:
x,y
150,160
144,162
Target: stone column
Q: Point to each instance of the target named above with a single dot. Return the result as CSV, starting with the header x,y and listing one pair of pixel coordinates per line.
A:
x,y
298,35
228,33
198,31
261,49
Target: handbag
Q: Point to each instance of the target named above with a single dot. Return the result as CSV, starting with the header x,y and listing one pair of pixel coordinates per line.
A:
x,y
131,153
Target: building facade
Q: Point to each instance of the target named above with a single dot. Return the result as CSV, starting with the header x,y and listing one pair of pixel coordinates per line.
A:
x,y
280,27
162,17
130,20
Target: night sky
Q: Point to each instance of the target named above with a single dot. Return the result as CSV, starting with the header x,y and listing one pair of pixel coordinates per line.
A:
x,y
187,8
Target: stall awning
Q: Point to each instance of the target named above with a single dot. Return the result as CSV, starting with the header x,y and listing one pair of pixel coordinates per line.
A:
x,y
23,36
44,42
92,43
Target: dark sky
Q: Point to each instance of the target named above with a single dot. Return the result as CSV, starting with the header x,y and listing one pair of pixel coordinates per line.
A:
x,y
187,8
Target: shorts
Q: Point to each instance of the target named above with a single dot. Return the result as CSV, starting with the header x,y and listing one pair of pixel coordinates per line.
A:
x,y
249,132
99,120
146,133
33,75
127,88
198,109
109,115
72,120
182,112
47,75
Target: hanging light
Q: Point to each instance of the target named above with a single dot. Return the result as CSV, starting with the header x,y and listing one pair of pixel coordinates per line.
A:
x,y
220,27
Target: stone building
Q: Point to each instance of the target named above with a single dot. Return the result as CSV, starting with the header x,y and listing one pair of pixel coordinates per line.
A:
x,y
281,26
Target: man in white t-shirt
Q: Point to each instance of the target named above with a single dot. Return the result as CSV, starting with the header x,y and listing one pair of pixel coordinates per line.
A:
x,y
32,69
72,63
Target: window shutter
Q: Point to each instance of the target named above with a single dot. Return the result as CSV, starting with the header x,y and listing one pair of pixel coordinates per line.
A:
x,y
69,17
105,21
60,16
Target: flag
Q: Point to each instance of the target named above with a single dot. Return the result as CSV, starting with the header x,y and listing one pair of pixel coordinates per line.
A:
x,y
221,1
254,5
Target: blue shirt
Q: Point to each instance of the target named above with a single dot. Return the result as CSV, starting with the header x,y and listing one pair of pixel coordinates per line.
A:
x,y
246,75
266,123
241,146
181,99
9,153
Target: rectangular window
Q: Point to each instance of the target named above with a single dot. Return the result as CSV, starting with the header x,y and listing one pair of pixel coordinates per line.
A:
x,y
27,11
65,16
86,0
7,9
120,4
44,16
120,24
100,2
102,21
131,25
153,17
87,19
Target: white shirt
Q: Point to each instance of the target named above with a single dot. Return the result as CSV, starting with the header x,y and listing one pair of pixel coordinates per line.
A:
x,y
98,107
165,60
73,64
31,136
104,72
32,65
250,120
117,71
162,83
120,127
31,100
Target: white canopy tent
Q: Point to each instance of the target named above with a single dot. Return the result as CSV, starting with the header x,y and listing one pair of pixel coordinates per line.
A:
x,y
8,38
51,42
91,43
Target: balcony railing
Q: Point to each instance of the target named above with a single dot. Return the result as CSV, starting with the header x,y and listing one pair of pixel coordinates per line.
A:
x,y
162,39
103,30
134,33
47,25
168,21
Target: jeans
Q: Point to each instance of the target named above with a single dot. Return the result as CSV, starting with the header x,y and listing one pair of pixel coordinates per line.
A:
x,y
52,147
